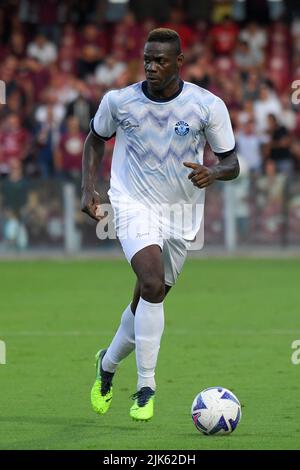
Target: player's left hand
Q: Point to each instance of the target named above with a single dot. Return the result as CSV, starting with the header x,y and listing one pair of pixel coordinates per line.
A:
x,y
201,176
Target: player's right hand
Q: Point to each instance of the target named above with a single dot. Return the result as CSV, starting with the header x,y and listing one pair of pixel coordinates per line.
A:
x,y
90,204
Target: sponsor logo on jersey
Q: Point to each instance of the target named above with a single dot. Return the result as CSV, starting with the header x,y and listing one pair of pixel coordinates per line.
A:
x,y
128,126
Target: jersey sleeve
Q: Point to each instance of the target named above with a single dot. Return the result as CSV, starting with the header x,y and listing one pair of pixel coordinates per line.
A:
x,y
103,124
218,132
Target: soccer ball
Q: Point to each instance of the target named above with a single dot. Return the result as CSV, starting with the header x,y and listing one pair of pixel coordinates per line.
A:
x,y
216,410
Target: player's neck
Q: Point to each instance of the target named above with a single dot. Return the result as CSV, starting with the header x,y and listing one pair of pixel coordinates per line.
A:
x,y
170,90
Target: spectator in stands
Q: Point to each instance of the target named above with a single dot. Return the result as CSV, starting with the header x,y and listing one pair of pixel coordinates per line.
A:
x,y
256,37
14,232
109,71
49,13
178,24
271,185
15,188
14,192
69,152
14,143
69,50
246,59
64,87
288,116
42,111
127,43
46,138
8,69
33,78
245,114
15,103
278,147
42,50
223,37
251,87
267,103
84,109
34,216
17,45
249,146
199,71
92,49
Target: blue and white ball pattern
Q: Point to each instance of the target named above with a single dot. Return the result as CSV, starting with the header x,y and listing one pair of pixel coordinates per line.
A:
x,y
216,410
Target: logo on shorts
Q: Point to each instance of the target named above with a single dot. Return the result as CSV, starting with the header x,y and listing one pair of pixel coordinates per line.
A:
x,y
140,235
182,128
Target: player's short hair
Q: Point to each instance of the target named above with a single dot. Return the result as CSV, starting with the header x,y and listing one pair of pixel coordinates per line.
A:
x,y
165,35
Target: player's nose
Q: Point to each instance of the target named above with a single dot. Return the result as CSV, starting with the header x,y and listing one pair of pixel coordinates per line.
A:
x,y
151,68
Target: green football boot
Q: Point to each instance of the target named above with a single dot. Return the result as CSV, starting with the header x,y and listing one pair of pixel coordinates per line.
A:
x,y
143,407
101,393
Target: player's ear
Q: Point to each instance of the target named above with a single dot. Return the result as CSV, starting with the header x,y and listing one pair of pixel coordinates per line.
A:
x,y
180,60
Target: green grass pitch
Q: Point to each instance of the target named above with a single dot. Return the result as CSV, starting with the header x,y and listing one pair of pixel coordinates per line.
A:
x,y
228,323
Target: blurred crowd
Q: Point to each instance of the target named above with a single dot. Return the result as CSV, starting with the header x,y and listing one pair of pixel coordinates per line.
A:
x,y
57,59
56,66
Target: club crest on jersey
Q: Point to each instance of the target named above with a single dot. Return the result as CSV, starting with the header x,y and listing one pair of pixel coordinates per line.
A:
x,y
182,128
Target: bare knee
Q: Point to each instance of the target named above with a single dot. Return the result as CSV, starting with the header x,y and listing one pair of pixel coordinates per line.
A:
x,y
149,269
152,289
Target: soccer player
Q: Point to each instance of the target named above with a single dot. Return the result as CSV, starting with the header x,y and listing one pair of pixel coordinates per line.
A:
x,y
161,126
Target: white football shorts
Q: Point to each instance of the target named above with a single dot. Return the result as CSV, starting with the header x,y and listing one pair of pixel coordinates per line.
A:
x,y
137,227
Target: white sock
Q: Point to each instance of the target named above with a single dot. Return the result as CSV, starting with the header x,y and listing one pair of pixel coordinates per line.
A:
x,y
122,343
148,327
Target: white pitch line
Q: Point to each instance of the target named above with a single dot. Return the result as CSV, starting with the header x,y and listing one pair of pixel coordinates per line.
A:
x,y
169,331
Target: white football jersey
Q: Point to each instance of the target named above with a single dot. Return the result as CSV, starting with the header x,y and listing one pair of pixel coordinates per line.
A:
x,y
153,139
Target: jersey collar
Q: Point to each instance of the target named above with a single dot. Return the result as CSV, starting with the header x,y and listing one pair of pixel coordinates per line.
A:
x,y
161,100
